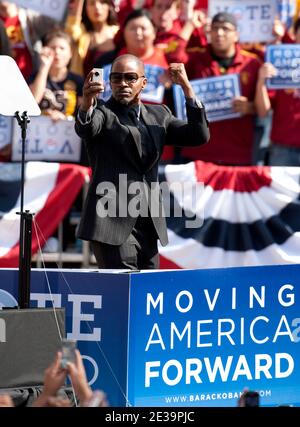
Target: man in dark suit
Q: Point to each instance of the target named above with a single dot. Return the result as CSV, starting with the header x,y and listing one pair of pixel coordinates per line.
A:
x,y
123,214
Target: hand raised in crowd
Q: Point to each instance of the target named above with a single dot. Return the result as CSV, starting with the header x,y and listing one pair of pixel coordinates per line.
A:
x,y
81,387
55,115
91,90
78,378
54,379
74,6
241,105
266,71
6,401
187,9
178,76
199,19
278,30
46,57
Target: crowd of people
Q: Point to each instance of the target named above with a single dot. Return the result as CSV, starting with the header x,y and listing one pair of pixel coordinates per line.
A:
x,y
55,57
55,379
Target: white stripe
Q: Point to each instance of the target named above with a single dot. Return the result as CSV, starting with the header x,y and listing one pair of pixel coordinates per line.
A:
x,y
40,180
234,206
189,254
186,172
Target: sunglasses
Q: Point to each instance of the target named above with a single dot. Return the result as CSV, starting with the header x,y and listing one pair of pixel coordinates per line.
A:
x,y
129,78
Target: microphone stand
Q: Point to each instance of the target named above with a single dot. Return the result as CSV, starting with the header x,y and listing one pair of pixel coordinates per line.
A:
x,y
25,225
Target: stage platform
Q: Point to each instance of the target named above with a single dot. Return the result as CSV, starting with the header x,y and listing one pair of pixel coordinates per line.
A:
x,y
179,338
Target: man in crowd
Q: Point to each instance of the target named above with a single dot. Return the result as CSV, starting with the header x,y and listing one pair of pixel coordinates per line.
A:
x,y
284,147
231,141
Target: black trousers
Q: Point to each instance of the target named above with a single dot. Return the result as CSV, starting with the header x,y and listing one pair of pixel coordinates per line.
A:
x,y
139,252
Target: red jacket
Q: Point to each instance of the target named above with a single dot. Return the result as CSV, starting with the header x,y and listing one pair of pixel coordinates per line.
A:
x,y
231,141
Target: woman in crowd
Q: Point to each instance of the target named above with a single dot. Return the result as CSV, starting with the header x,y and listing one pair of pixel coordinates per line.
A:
x,y
56,89
92,26
139,36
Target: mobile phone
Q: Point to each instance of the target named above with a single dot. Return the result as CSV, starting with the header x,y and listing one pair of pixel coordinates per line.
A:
x,y
97,75
251,399
68,348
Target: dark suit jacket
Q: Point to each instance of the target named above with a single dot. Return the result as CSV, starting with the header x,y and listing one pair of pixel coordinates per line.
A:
x,y
114,151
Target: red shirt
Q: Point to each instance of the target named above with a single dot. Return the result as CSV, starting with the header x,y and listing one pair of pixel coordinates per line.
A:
x,y
201,4
173,45
231,141
127,6
20,50
286,117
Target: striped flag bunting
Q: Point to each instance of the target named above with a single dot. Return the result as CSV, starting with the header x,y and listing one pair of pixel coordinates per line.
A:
x,y
251,217
50,189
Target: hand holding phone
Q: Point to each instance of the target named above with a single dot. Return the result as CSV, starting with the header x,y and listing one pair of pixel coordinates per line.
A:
x,y
97,75
68,352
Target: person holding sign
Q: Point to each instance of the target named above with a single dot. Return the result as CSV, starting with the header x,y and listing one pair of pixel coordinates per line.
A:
x,y
24,28
92,25
284,148
123,214
232,139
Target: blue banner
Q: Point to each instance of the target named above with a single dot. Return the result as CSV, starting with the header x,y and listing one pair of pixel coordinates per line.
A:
x,y
216,93
286,59
198,338
179,338
154,90
96,317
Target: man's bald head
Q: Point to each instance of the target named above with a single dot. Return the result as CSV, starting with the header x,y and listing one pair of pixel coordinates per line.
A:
x,y
127,58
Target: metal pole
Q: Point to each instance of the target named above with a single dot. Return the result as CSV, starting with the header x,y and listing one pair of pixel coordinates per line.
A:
x,y
25,226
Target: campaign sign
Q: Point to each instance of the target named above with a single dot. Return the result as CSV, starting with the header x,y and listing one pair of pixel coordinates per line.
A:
x,y
53,8
286,59
179,338
216,93
96,307
199,337
153,92
5,130
286,11
107,90
47,140
254,17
